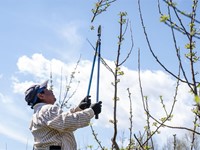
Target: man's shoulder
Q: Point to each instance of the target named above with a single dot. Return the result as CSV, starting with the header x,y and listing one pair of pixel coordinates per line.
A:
x,y
47,106
51,108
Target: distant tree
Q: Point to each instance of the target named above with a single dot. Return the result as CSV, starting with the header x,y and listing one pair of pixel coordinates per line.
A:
x,y
175,143
182,143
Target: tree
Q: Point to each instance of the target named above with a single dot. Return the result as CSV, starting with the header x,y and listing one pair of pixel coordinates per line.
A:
x,y
181,24
191,33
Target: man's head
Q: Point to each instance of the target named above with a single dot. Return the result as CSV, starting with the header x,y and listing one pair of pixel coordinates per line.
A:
x,y
39,93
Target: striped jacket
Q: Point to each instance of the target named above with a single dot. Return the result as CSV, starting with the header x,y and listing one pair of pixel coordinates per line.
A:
x,y
51,126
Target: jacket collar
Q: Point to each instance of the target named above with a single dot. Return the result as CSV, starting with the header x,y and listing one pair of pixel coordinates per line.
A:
x,y
38,106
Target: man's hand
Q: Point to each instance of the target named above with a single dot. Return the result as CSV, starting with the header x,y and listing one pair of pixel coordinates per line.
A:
x,y
85,103
96,107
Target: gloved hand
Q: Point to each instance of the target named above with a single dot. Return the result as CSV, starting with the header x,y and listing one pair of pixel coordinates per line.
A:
x,y
85,103
96,107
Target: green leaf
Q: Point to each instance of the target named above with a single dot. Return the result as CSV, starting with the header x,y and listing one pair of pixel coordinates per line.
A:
x,y
147,147
197,99
171,4
190,45
90,146
92,28
163,119
145,127
191,24
121,73
164,18
111,121
155,124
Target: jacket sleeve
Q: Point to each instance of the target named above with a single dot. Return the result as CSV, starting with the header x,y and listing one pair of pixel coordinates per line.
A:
x,y
67,121
76,109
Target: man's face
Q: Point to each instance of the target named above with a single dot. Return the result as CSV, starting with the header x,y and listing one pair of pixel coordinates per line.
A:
x,y
47,96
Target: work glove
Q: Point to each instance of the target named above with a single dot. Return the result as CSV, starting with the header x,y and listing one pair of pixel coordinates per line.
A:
x,y
85,103
96,107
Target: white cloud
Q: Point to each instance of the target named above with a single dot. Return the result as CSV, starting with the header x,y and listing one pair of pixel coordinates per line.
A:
x,y
70,33
14,134
72,40
5,99
13,116
155,84
37,65
12,108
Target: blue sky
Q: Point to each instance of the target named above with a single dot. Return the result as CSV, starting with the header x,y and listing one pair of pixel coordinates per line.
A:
x,y
37,34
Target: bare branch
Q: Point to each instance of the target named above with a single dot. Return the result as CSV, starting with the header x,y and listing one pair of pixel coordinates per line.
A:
x,y
96,138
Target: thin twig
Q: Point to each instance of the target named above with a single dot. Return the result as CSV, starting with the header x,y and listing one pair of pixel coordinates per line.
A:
x,y
102,60
64,101
130,146
132,44
99,4
95,137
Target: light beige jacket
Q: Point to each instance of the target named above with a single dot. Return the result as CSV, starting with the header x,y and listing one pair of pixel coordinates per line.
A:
x,y
51,126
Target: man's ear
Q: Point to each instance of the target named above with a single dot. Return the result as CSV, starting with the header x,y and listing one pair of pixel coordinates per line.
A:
x,y
40,96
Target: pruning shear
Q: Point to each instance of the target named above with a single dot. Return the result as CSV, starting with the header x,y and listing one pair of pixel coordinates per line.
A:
x,y
97,53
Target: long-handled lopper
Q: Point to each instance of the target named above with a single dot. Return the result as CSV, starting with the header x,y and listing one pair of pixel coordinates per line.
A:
x,y
97,53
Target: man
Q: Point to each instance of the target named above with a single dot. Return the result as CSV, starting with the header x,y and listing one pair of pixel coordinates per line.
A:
x,y
51,127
